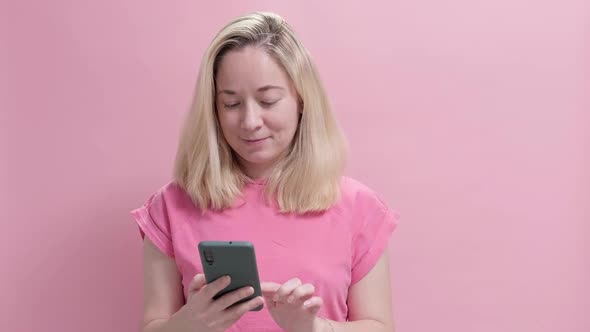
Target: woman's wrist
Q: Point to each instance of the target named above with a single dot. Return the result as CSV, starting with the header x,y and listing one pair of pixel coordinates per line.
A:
x,y
323,325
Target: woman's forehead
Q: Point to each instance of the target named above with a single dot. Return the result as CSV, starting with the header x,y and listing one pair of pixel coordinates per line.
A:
x,y
250,68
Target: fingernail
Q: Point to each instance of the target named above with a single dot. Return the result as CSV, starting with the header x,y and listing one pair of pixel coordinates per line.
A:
x,y
290,299
306,303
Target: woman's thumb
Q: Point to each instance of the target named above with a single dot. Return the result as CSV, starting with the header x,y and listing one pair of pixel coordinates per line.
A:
x,y
197,283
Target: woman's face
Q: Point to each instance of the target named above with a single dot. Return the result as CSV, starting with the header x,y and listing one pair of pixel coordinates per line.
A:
x,y
257,107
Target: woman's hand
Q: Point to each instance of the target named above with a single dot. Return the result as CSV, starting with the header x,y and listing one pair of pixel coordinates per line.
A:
x,y
202,313
293,306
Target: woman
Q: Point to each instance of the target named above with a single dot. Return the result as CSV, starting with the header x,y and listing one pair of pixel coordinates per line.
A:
x,y
260,159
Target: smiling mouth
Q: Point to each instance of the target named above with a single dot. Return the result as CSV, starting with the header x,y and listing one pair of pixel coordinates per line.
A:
x,y
255,140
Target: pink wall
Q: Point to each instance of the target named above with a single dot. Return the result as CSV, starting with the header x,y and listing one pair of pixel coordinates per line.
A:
x,y
479,135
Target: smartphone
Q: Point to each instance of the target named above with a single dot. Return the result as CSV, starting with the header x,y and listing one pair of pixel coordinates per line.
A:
x,y
234,258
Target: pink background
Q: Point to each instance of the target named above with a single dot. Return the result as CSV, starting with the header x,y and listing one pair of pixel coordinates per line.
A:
x,y
472,118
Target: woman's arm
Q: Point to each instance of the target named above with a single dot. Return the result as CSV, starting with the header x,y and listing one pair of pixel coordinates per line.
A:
x,y
369,303
162,288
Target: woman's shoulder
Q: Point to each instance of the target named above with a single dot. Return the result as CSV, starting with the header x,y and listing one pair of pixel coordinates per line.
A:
x,y
353,194
172,195
168,189
359,197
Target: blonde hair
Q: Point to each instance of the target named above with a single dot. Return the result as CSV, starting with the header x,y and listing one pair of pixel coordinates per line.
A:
x,y
308,178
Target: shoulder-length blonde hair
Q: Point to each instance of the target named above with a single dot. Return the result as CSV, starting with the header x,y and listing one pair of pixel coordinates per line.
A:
x,y
308,178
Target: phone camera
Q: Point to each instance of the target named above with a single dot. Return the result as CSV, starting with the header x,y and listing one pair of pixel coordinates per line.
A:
x,y
209,257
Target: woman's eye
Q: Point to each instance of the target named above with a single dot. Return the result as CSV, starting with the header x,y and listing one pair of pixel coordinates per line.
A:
x,y
231,105
268,103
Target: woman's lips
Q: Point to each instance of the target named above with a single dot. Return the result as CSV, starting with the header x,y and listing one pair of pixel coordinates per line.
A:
x,y
255,141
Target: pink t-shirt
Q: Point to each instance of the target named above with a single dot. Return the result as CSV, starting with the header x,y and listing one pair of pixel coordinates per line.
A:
x,y
332,250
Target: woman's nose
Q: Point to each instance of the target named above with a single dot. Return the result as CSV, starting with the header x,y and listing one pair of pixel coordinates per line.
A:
x,y
251,119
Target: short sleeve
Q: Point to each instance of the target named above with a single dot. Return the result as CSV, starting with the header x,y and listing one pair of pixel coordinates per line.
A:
x,y
152,220
376,223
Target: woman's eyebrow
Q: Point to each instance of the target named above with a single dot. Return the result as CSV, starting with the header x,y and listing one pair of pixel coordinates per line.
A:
x,y
261,89
268,87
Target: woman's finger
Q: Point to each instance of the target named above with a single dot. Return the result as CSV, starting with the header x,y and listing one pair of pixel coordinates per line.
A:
x,y
197,283
211,289
234,313
301,294
269,289
313,305
231,298
286,289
